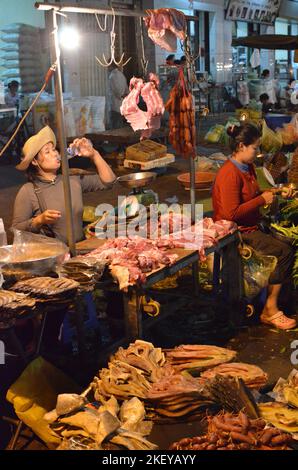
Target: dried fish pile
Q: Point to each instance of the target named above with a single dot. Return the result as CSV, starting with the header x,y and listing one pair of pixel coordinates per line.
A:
x,y
131,372
280,416
195,358
13,305
176,396
231,394
121,380
227,431
252,376
145,357
48,289
286,391
82,425
85,270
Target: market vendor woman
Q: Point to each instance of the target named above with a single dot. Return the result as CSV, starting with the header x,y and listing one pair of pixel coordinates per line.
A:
x,y
237,197
39,206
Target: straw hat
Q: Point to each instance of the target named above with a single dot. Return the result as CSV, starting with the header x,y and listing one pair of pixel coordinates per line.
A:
x,y
34,145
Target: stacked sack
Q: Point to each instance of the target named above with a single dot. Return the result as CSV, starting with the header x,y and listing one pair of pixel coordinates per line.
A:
x,y
21,56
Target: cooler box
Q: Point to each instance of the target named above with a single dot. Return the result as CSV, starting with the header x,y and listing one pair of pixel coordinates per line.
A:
x,y
277,120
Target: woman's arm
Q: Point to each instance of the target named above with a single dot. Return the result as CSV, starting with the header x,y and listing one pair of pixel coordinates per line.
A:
x,y
230,194
104,171
23,212
86,149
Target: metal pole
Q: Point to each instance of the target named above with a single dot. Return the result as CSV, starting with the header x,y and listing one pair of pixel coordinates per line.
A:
x,y
73,8
192,171
192,168
62,139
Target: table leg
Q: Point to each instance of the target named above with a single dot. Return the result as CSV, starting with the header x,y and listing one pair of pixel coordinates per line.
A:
x,y
132,315
40,335
79,322
195,278
216,272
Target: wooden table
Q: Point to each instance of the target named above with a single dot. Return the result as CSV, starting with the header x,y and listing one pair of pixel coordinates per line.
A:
x,y
224,250
123,136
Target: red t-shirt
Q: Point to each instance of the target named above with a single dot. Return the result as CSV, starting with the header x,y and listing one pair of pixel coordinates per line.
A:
x,y
236,196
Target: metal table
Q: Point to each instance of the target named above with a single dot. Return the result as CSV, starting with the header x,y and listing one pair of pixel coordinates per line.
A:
x,y
224,250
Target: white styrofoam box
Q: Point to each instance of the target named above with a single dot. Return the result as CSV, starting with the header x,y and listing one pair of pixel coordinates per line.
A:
x,y
97,113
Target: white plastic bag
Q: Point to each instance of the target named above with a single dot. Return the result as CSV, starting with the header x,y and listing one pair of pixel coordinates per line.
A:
x,y
257,269
255,59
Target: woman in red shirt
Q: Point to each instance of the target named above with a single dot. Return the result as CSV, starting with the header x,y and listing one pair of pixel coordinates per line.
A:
x,y
236,196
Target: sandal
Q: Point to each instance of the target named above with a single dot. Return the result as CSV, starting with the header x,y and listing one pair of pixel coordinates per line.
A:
x,y
279,320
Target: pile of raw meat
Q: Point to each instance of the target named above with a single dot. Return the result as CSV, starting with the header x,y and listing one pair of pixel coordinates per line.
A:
x,y
165,25
130,259
146,121
203,234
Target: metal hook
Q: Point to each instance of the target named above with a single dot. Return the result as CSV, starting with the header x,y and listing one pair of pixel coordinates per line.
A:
x,y
104,28
105,63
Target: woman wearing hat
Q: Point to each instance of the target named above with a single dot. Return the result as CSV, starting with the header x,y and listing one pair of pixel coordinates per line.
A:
x,y
39,205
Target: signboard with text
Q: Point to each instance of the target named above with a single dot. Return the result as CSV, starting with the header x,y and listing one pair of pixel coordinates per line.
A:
x,y
253,11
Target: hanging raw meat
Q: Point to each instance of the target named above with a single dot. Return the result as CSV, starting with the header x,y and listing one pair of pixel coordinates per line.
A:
x,y
182,133
165,25
149,120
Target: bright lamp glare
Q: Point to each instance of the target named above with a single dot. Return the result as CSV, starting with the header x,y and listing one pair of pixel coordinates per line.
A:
x,y
69,37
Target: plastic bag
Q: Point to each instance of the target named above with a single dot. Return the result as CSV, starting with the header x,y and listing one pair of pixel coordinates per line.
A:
x,y
214,134
288,133
255,59
34,254
271,141
257,269
35,393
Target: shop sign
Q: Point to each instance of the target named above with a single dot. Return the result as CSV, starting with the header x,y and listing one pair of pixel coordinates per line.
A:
x,y
253,11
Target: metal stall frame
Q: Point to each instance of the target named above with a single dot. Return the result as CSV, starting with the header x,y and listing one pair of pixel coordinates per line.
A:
x,y
53,9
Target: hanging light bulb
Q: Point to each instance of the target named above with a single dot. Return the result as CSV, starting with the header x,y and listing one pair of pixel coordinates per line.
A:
x,y
69,37
243,117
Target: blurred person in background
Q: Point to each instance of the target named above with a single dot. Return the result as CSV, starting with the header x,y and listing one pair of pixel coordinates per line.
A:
x,y
12,96
117,90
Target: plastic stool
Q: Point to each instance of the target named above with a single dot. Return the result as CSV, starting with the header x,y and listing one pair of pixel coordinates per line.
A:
x,y
68,331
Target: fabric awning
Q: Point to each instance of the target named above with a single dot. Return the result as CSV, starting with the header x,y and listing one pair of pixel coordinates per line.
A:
x,y
268,41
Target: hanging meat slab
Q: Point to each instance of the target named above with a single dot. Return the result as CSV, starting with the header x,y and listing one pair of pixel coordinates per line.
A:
x,y
165,25
146,121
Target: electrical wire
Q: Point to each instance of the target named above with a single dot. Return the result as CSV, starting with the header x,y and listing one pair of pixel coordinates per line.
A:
x,y
48,76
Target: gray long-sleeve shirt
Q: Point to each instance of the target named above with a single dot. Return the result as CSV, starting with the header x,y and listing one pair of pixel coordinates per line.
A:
x,y
26,205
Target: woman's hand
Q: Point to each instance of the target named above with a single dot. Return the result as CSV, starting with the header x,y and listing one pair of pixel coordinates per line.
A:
x,y
47,217
85,147
268,197
287,193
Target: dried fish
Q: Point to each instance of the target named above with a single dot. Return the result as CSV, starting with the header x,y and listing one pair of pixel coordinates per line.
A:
x,y
253,376
195,358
